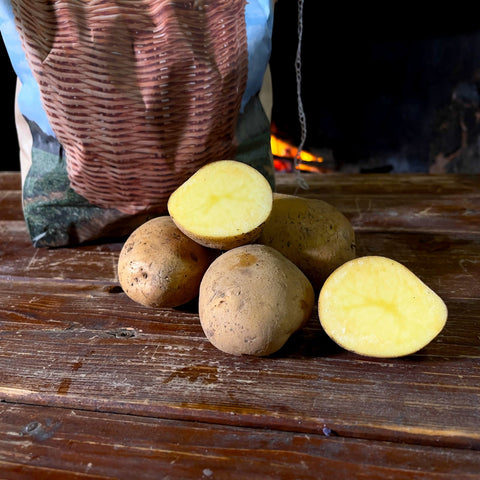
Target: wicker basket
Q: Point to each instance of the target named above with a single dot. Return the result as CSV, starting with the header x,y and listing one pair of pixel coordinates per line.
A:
x,y
140,93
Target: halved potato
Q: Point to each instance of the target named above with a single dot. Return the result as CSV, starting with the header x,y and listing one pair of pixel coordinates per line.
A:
x,y
223,205
375,306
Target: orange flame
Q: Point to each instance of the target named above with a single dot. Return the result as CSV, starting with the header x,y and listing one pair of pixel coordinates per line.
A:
x,y
282,149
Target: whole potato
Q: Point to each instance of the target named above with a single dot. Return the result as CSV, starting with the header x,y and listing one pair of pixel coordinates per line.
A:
x,y
311,233
159,266
252,299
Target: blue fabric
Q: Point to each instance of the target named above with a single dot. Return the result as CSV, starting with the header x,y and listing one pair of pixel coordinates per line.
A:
x,y
259,21
29,98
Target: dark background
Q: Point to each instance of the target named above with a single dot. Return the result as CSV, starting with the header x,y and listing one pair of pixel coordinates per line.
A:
x,y
377,86
9,145
382,87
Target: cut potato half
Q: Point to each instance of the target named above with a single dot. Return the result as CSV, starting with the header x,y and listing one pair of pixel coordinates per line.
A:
x,y
375,306
223,205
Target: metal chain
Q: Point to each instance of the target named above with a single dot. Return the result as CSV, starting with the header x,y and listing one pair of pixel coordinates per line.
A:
x,y
302,183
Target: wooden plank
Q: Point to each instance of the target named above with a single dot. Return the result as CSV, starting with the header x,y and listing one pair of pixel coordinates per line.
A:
x,y
94,349
63,443
443,203
375,203
380,184
10,181
10,205
413,213
455,276
18,258
443,184
70,338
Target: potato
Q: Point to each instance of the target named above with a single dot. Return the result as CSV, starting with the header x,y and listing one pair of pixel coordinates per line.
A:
x,y
159,266
223,205
252,299
311,233
375,306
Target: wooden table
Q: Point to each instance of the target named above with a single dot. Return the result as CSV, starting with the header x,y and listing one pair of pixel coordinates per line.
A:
x,y
95,386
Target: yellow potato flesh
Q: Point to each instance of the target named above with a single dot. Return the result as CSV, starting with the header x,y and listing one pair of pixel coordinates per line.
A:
x,y
222,203
375,306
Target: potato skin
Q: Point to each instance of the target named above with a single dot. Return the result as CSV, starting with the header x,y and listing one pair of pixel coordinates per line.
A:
x,y
311,233
159,266
224,243
252,299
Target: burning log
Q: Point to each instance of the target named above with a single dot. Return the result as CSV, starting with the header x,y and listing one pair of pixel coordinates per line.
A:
x,y
284,154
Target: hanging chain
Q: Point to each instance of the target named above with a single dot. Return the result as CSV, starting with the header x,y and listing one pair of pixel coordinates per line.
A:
x,y
302,183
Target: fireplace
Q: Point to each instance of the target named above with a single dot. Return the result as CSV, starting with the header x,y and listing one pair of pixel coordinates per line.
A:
x,y
383,91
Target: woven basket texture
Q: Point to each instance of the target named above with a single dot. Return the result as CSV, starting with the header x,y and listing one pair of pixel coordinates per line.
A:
x,y
140,93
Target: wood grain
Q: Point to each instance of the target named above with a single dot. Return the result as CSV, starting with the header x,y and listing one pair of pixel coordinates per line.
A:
x,y
86,347
413,203
115,385
64,443
454,276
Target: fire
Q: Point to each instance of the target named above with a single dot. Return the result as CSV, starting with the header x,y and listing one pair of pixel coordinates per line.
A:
x,y
284,153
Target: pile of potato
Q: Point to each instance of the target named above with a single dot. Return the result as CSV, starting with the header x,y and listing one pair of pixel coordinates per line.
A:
x,y
257,261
